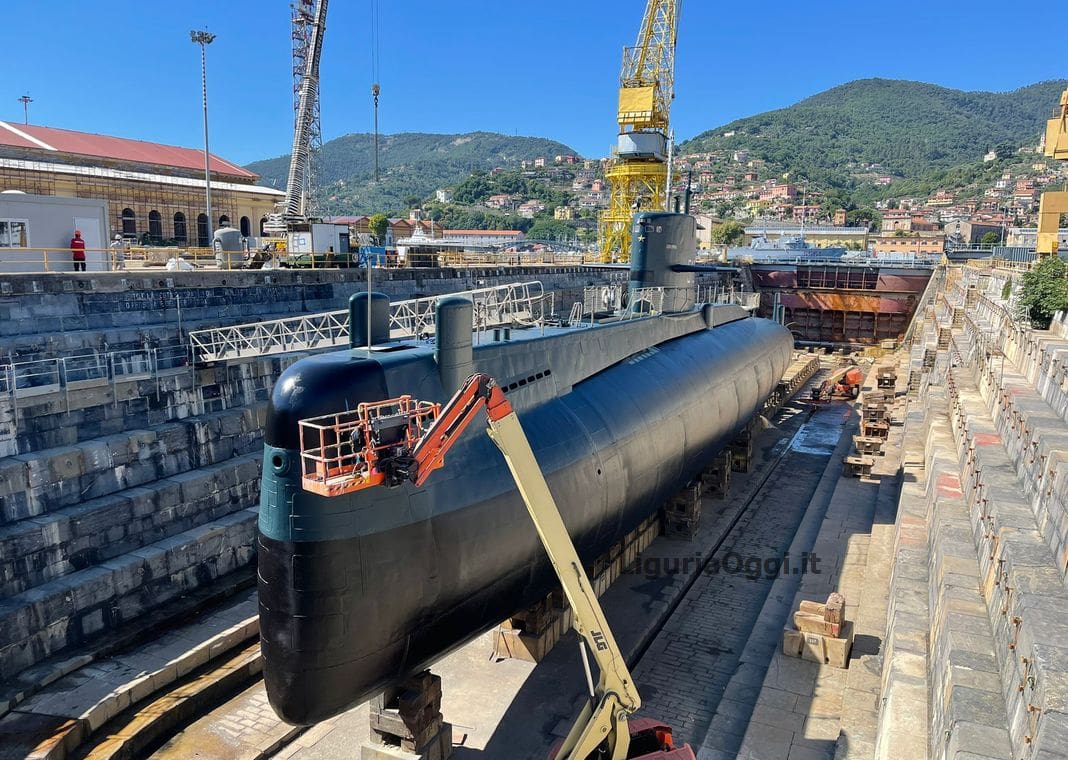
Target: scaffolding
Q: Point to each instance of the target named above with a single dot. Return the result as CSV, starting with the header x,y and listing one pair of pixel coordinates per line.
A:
x,y
142,206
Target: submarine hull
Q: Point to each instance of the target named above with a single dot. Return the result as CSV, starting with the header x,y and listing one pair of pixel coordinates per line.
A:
x,y
361,590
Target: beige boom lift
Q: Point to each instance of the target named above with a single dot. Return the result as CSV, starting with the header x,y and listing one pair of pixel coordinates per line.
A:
x,y
340,453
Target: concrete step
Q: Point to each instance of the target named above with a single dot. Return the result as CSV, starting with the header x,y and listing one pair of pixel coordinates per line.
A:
x,y
1020,578
1035,438
85,411
41,622
1022,582
25,350
968,712
41,549
37,483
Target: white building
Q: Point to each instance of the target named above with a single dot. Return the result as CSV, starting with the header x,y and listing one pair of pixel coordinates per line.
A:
x,y
35,232
1027,237
483,238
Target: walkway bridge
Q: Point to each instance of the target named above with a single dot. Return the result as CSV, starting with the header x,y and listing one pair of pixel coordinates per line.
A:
x,y
500,306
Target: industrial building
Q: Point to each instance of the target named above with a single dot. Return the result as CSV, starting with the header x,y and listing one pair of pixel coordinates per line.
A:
x,y
154,192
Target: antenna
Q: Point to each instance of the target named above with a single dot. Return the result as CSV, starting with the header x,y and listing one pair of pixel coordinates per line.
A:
x,y
26,100
375,87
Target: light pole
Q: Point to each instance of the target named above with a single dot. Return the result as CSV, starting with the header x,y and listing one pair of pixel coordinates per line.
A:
x,y
204,39
26,100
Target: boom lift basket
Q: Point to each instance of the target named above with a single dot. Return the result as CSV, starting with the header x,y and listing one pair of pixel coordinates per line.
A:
x,y
372,445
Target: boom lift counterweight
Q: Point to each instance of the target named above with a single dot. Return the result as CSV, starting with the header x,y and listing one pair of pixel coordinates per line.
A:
x,y
335,463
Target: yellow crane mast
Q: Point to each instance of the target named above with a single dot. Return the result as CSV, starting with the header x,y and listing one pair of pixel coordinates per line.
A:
x,y
638,177
1054,203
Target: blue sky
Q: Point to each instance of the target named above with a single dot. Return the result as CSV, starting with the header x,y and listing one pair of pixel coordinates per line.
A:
x,y
547,68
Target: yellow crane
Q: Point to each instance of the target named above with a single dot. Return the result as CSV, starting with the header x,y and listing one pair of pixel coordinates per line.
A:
x,y
1054,203
638,177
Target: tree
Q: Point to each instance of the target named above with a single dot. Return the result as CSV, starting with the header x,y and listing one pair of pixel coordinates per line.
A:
x,y
379,223
1044,291
728,233
550,229
412,201
990,239
863,217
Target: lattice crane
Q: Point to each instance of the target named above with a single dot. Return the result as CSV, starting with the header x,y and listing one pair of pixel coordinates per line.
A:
x,y
293,207
1054,203
638,176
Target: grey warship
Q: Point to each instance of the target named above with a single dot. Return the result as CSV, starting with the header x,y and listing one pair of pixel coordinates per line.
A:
x,y
360,590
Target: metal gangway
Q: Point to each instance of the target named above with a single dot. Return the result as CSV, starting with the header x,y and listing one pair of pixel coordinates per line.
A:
x,y
519,303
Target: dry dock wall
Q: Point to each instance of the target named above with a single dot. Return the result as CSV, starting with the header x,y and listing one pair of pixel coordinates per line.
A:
x,y
978,620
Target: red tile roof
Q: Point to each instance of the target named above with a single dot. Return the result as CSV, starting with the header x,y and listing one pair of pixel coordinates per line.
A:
x,y
117,148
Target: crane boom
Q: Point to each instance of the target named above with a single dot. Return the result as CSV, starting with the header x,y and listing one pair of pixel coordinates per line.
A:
x,y
299,157
638,178
648,73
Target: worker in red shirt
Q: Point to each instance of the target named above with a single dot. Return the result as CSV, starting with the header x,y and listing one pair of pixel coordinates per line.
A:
x,y
77,251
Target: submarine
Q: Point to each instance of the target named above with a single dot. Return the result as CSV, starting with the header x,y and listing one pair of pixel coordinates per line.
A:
x,y
360,590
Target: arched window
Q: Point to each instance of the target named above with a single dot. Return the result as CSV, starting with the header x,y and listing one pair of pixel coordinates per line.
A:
x,y
155,226
203,241
263,221
224,221
129,223
246,226
180,233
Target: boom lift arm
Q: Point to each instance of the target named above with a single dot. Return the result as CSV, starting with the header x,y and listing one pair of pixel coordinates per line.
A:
x,y
602,729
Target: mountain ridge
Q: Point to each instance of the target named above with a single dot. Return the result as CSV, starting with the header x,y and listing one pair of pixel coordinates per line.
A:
x,y
909,129
412,164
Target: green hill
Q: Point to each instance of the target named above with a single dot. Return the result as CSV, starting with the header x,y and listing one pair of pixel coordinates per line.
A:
x,y
411,165
911,130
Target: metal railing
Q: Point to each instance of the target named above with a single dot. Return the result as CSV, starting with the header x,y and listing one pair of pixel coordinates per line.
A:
x,y
33,260
503,258
874,262
66,373
515,303
716,294
645,302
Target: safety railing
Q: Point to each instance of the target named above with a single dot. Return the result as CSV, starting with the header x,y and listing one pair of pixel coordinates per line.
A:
x,y
715,294
34,260
503,258
645,301
515,303
65,373
872,261
180,258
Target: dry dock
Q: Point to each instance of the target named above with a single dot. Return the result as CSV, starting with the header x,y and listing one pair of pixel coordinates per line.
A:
x,y
949,550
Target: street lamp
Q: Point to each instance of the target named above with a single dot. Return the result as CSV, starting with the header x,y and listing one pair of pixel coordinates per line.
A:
x,y
26,100
204,39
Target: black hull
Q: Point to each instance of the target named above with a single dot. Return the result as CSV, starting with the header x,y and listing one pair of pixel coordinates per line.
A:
x,y
386,584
